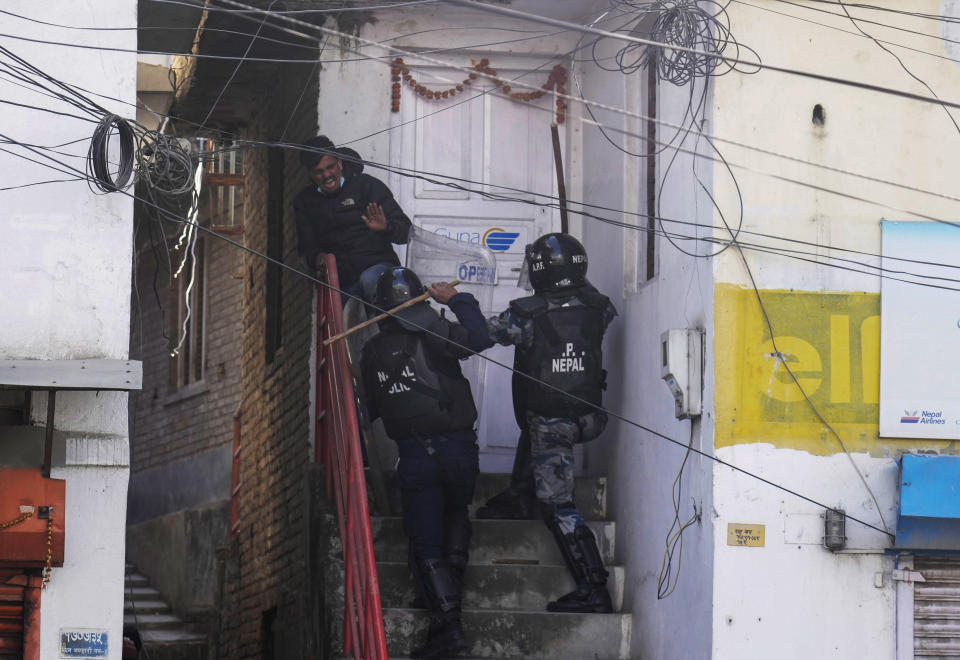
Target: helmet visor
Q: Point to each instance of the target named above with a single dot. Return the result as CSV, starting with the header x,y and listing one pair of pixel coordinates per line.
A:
x,y
523,281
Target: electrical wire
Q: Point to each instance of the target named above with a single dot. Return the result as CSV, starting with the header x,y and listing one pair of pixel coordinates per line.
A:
x,y
696,118
729,59
528,16
233,74
668,579
184,170
733,236
171,217
291,12
913,14
700,27
770,152
98,166
675,46
839,29
879,271
899,61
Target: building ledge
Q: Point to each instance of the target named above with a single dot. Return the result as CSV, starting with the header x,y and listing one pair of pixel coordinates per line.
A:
x,y
72,374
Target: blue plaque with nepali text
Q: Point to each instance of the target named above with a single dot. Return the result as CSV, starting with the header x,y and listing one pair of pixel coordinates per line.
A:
x,y
83,643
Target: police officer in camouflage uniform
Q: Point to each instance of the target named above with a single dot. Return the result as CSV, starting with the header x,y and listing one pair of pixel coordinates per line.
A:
x,y
414,383
558,333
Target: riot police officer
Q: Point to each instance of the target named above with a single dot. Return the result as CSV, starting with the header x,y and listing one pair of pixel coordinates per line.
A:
x,y
414,383
558,333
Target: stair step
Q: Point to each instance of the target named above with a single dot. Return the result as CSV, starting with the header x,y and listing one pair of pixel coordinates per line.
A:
x,y
176,651
152,621
135,580
494,539
496,586
515,634
590,493
172,637
146,606
141,593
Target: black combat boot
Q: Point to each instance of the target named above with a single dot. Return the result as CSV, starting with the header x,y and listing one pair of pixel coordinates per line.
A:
x,y
445,637
582,557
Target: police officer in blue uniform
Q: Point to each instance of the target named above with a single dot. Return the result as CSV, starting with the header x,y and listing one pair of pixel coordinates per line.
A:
x,y
558,333
414,383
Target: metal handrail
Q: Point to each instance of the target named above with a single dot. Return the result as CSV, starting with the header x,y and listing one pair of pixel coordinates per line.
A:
x,y
338,449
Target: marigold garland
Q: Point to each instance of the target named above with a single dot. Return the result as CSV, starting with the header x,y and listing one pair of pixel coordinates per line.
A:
x,y
556,81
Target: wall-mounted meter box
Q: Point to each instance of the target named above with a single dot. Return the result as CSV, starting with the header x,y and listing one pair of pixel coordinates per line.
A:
x,y
681,367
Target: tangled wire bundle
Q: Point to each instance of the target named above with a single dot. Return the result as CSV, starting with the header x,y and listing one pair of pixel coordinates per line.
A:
x,y
684,23
98,155
164,165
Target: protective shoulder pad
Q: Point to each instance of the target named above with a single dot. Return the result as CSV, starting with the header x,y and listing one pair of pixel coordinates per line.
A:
x,y
528,307
594,299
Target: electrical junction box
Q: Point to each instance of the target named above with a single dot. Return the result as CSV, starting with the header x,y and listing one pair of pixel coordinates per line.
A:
x,y
681,367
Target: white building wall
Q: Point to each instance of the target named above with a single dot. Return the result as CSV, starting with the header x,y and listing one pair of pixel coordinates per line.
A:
x,y
792,598
65,261
641,467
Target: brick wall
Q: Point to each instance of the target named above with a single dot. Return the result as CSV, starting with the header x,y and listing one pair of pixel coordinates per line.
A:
x,y
265,585
167,427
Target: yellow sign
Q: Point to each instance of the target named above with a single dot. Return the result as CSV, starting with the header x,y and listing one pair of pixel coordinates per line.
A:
x,y
831,342
747,536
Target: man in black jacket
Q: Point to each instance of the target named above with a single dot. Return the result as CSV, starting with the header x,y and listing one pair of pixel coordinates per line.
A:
x,y
347,213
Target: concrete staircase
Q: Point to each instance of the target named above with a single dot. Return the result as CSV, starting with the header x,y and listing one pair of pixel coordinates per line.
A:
x,y
165,636
515,569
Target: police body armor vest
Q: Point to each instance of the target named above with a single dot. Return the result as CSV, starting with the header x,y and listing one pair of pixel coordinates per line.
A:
x,y
566,353
413,397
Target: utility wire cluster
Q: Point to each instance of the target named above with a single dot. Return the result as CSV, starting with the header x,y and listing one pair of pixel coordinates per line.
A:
x,y
167,171
122,153
702,26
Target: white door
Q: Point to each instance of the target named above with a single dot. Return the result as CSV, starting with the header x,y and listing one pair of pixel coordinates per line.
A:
x,y
491,140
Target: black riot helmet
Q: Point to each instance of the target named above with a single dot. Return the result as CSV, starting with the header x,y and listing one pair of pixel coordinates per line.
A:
x,y
556,261
397,286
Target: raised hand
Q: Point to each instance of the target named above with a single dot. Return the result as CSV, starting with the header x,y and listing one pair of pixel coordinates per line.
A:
x,y
375,217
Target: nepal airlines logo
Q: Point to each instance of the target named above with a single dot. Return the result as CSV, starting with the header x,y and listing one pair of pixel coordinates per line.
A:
x,y
925,417
910,417
499,240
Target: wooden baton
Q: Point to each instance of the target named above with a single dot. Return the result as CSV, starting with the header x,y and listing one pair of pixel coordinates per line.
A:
x,y
380,317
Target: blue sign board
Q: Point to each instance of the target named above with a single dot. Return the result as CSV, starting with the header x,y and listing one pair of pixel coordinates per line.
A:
x,y
929,511
83,643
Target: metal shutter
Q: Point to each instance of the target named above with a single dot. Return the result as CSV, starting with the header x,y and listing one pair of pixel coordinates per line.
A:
x,y
11,615
936,607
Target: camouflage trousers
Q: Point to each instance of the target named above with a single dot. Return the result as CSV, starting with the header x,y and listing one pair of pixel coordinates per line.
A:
x,y
551,443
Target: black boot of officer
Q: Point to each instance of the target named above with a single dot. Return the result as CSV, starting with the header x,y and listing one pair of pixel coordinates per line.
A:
x,y
582,557
442,586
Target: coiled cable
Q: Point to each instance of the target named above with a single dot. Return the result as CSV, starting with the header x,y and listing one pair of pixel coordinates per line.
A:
x,y
98,155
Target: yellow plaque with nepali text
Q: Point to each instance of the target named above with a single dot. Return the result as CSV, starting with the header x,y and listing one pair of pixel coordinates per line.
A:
x,y
747,536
